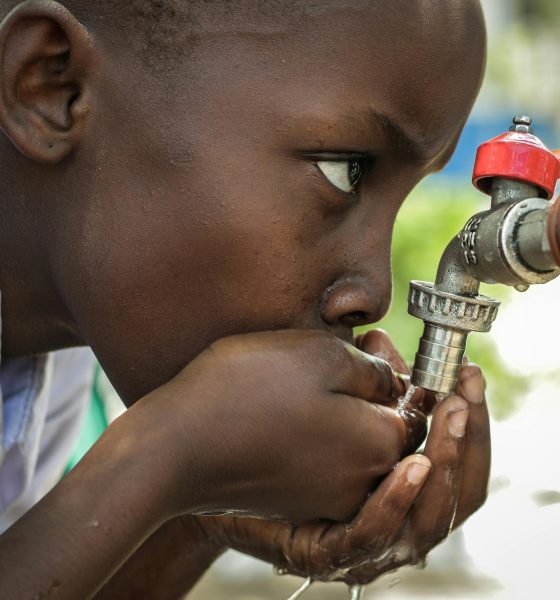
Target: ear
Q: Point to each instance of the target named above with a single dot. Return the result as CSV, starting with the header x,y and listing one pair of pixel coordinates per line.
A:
x,y
46,61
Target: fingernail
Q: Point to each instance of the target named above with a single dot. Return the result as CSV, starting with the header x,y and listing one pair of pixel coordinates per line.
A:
x,y
472,384
457,422
418,470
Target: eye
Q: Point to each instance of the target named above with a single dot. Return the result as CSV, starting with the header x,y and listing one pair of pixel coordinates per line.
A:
x,y
343,174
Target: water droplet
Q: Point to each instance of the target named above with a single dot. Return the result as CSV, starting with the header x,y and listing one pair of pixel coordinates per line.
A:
x,y
441,396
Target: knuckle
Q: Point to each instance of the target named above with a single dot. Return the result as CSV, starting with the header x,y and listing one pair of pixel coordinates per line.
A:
x,y
343,354
323,351
369,546
221,349
403,553
479,435
453,467
323,340
395,504
386,382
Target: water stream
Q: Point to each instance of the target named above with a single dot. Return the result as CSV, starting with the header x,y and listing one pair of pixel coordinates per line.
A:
x,y
301,590
404,400
357,592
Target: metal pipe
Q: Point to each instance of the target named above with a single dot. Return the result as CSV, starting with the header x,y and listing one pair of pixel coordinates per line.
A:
x,y
516,243
507,244
553,229
452,274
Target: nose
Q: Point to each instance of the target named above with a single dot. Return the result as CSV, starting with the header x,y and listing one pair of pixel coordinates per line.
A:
x,y
355,300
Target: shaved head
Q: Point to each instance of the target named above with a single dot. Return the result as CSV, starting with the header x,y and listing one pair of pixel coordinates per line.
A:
x,y
165,30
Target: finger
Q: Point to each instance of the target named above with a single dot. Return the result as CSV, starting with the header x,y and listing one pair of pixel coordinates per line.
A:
x,y
477,455
434,510
378,522
416,424
378,343
365,376
382,516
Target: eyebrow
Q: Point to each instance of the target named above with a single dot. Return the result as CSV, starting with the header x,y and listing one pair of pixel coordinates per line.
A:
x,y
398,137
378,124
416,147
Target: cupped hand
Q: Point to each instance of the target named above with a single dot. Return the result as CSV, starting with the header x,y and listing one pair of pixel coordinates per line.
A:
x,y
294,425
410,512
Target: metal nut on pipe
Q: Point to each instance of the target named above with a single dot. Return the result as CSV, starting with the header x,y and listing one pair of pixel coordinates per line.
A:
x,y
448,319
454,311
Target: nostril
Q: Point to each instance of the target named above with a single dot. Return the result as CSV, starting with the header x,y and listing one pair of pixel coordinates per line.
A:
x,y
356,318
353,301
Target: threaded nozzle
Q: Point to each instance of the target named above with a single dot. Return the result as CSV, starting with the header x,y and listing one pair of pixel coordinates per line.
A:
x,y
439,358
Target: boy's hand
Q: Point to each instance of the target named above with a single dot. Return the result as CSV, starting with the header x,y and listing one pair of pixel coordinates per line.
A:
x,y
360,551
412,510
289,424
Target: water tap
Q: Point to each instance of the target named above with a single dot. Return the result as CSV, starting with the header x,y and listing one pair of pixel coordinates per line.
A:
x,y
516,242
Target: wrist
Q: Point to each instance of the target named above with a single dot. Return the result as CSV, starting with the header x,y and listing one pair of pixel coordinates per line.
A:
x,y
166,435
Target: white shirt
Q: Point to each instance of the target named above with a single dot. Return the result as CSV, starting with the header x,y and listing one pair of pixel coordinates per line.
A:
x,y
43,400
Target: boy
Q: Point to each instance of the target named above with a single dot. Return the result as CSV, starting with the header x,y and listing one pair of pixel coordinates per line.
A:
x,y
180,172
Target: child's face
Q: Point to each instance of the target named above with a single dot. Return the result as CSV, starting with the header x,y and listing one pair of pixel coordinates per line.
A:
x,y
220,220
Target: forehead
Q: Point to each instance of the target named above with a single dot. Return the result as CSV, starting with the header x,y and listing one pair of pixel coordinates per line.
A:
x,y
408,67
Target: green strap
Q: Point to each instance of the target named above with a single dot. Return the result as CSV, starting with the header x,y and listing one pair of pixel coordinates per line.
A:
x,y
95,423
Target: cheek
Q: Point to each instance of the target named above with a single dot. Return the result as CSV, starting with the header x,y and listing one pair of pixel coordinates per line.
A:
x,y
190,269
247,247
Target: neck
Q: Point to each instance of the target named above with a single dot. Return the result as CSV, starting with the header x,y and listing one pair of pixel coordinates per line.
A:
x,y
34,318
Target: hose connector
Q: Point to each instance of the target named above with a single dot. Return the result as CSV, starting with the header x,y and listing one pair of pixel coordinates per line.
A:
x,y
448,320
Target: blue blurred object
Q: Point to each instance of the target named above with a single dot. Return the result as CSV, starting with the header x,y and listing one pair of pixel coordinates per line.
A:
x,y
479,130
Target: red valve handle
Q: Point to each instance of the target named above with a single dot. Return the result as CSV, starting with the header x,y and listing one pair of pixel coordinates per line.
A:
x,y
518,155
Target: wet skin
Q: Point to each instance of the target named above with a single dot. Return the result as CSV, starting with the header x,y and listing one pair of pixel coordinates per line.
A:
x,y
167,208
